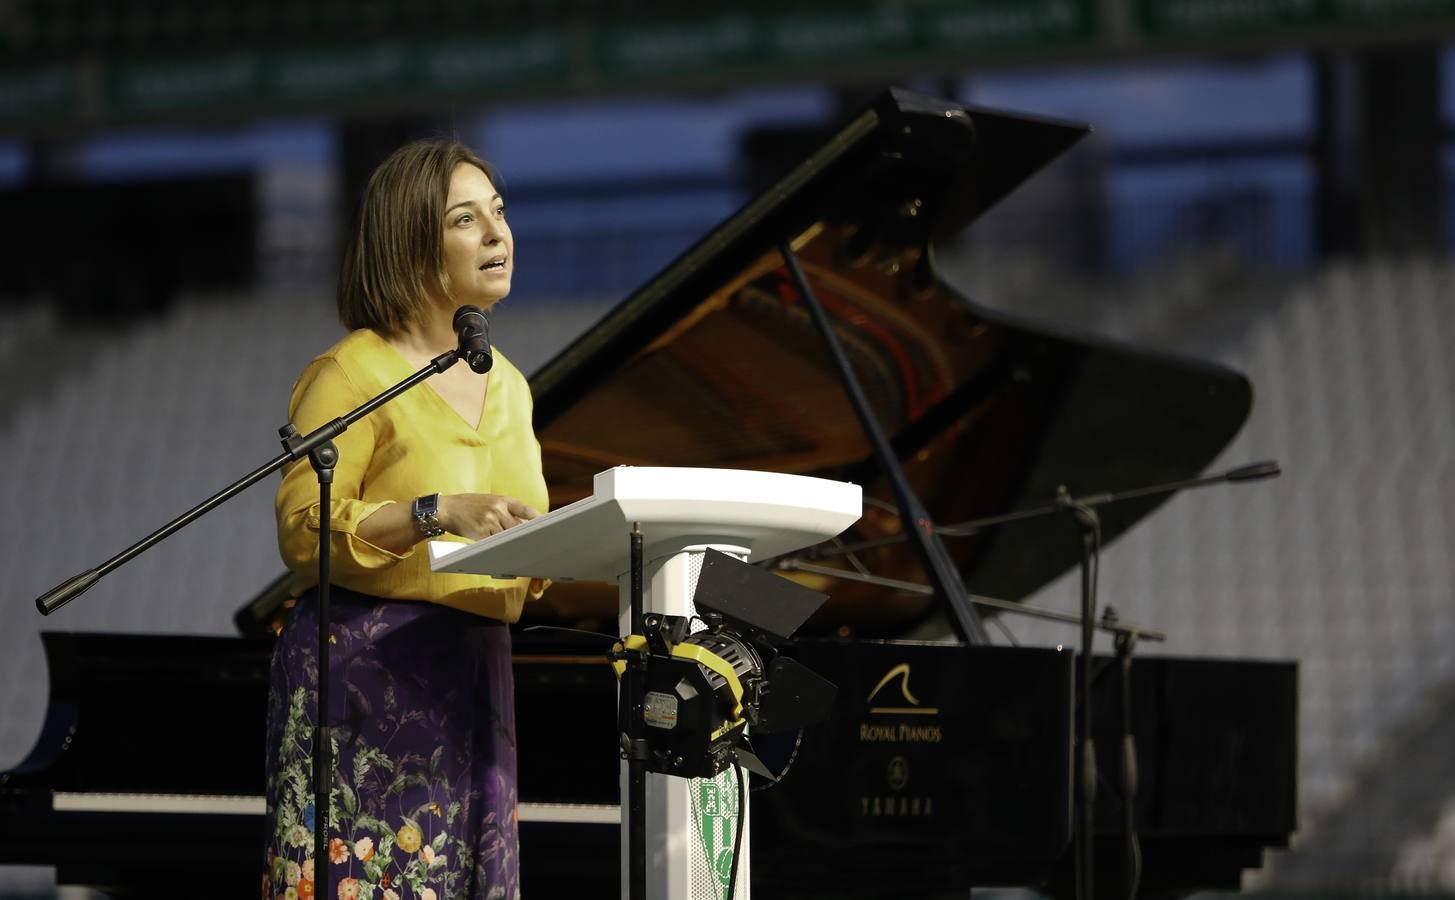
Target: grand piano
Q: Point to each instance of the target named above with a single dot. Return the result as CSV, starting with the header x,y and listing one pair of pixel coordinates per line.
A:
x,y
945,765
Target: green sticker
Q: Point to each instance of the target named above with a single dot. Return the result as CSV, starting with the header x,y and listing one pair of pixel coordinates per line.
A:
x,y
716,818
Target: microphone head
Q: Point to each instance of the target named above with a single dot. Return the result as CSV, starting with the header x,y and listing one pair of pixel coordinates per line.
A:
x,y
470,316
474,330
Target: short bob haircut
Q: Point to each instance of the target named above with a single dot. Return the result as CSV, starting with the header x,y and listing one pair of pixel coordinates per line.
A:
x,y
393,265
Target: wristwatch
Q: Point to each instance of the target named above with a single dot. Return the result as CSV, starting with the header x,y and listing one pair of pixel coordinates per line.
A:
x,y
427,515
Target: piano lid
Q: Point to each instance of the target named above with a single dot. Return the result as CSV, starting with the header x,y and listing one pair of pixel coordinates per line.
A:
x,y
715,363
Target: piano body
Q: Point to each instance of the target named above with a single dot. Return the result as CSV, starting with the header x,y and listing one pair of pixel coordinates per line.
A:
x,y
944,766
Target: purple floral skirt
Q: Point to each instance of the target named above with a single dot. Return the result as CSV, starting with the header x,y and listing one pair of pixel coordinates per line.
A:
x,y
422,720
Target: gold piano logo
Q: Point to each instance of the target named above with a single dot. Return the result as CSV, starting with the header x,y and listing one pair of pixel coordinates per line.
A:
x,y
912,708
897,804
885,700
898,773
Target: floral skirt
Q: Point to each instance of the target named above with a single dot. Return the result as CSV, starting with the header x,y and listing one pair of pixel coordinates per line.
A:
x,y
422,722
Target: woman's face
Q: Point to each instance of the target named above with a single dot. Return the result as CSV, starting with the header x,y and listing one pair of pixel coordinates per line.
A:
x,y
478,247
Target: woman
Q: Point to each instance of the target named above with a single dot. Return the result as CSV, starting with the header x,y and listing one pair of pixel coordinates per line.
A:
x,y
420,692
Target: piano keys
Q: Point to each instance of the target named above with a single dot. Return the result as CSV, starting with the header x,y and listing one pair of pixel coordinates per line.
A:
x,y
218,805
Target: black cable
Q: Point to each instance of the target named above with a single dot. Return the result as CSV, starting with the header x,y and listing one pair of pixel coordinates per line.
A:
x,y
595,635
738,838
778,779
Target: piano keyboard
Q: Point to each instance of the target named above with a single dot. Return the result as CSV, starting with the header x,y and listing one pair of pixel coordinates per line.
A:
x,y
203,804
195,804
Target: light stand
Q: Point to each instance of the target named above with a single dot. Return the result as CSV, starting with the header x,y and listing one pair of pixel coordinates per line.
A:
x,y
634,743
688,698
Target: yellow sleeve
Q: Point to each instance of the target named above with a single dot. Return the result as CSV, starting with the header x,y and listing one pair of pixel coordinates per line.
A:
x,y
323,393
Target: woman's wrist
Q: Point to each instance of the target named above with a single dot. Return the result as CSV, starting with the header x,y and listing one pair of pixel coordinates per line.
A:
x,y
425,511
444,515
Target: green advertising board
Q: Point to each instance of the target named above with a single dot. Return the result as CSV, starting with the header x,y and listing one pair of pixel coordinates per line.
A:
x,y
45,94
1243,18
805,40
581,54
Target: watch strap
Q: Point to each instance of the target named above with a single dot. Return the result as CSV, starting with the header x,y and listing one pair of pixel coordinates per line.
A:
x,y
426,511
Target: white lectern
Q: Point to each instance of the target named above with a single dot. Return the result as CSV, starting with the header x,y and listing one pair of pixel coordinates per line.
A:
x,y
682,512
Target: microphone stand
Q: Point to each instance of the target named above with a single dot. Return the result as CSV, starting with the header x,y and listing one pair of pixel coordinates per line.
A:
x,y
1089,525
318,446
1082,511
323,456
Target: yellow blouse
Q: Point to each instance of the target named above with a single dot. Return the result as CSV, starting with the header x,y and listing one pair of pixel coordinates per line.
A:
x,y
416,444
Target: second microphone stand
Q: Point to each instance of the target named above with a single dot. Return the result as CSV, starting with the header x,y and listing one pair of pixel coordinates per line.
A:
x,y
1082,511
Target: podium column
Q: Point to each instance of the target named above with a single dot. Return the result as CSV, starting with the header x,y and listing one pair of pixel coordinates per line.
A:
x,y
690,822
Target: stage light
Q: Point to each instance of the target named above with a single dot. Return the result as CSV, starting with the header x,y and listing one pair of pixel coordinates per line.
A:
x,y
705,690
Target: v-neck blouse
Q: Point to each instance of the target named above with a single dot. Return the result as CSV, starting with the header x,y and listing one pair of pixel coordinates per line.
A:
x,y
415,444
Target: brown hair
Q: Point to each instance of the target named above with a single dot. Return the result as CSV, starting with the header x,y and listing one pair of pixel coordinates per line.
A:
x,y
393,263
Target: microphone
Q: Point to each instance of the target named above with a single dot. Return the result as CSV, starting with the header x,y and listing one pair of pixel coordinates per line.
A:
x,y
474,330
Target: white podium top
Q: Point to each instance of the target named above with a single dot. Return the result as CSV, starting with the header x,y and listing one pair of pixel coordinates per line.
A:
x,y
766,513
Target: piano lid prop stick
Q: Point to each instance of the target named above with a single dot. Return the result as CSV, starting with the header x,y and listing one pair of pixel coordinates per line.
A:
x,y
932,553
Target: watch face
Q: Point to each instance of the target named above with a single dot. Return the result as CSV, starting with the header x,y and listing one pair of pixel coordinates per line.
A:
x,y
427,505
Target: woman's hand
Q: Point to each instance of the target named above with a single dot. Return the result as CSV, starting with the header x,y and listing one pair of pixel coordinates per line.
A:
x,y
477,516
